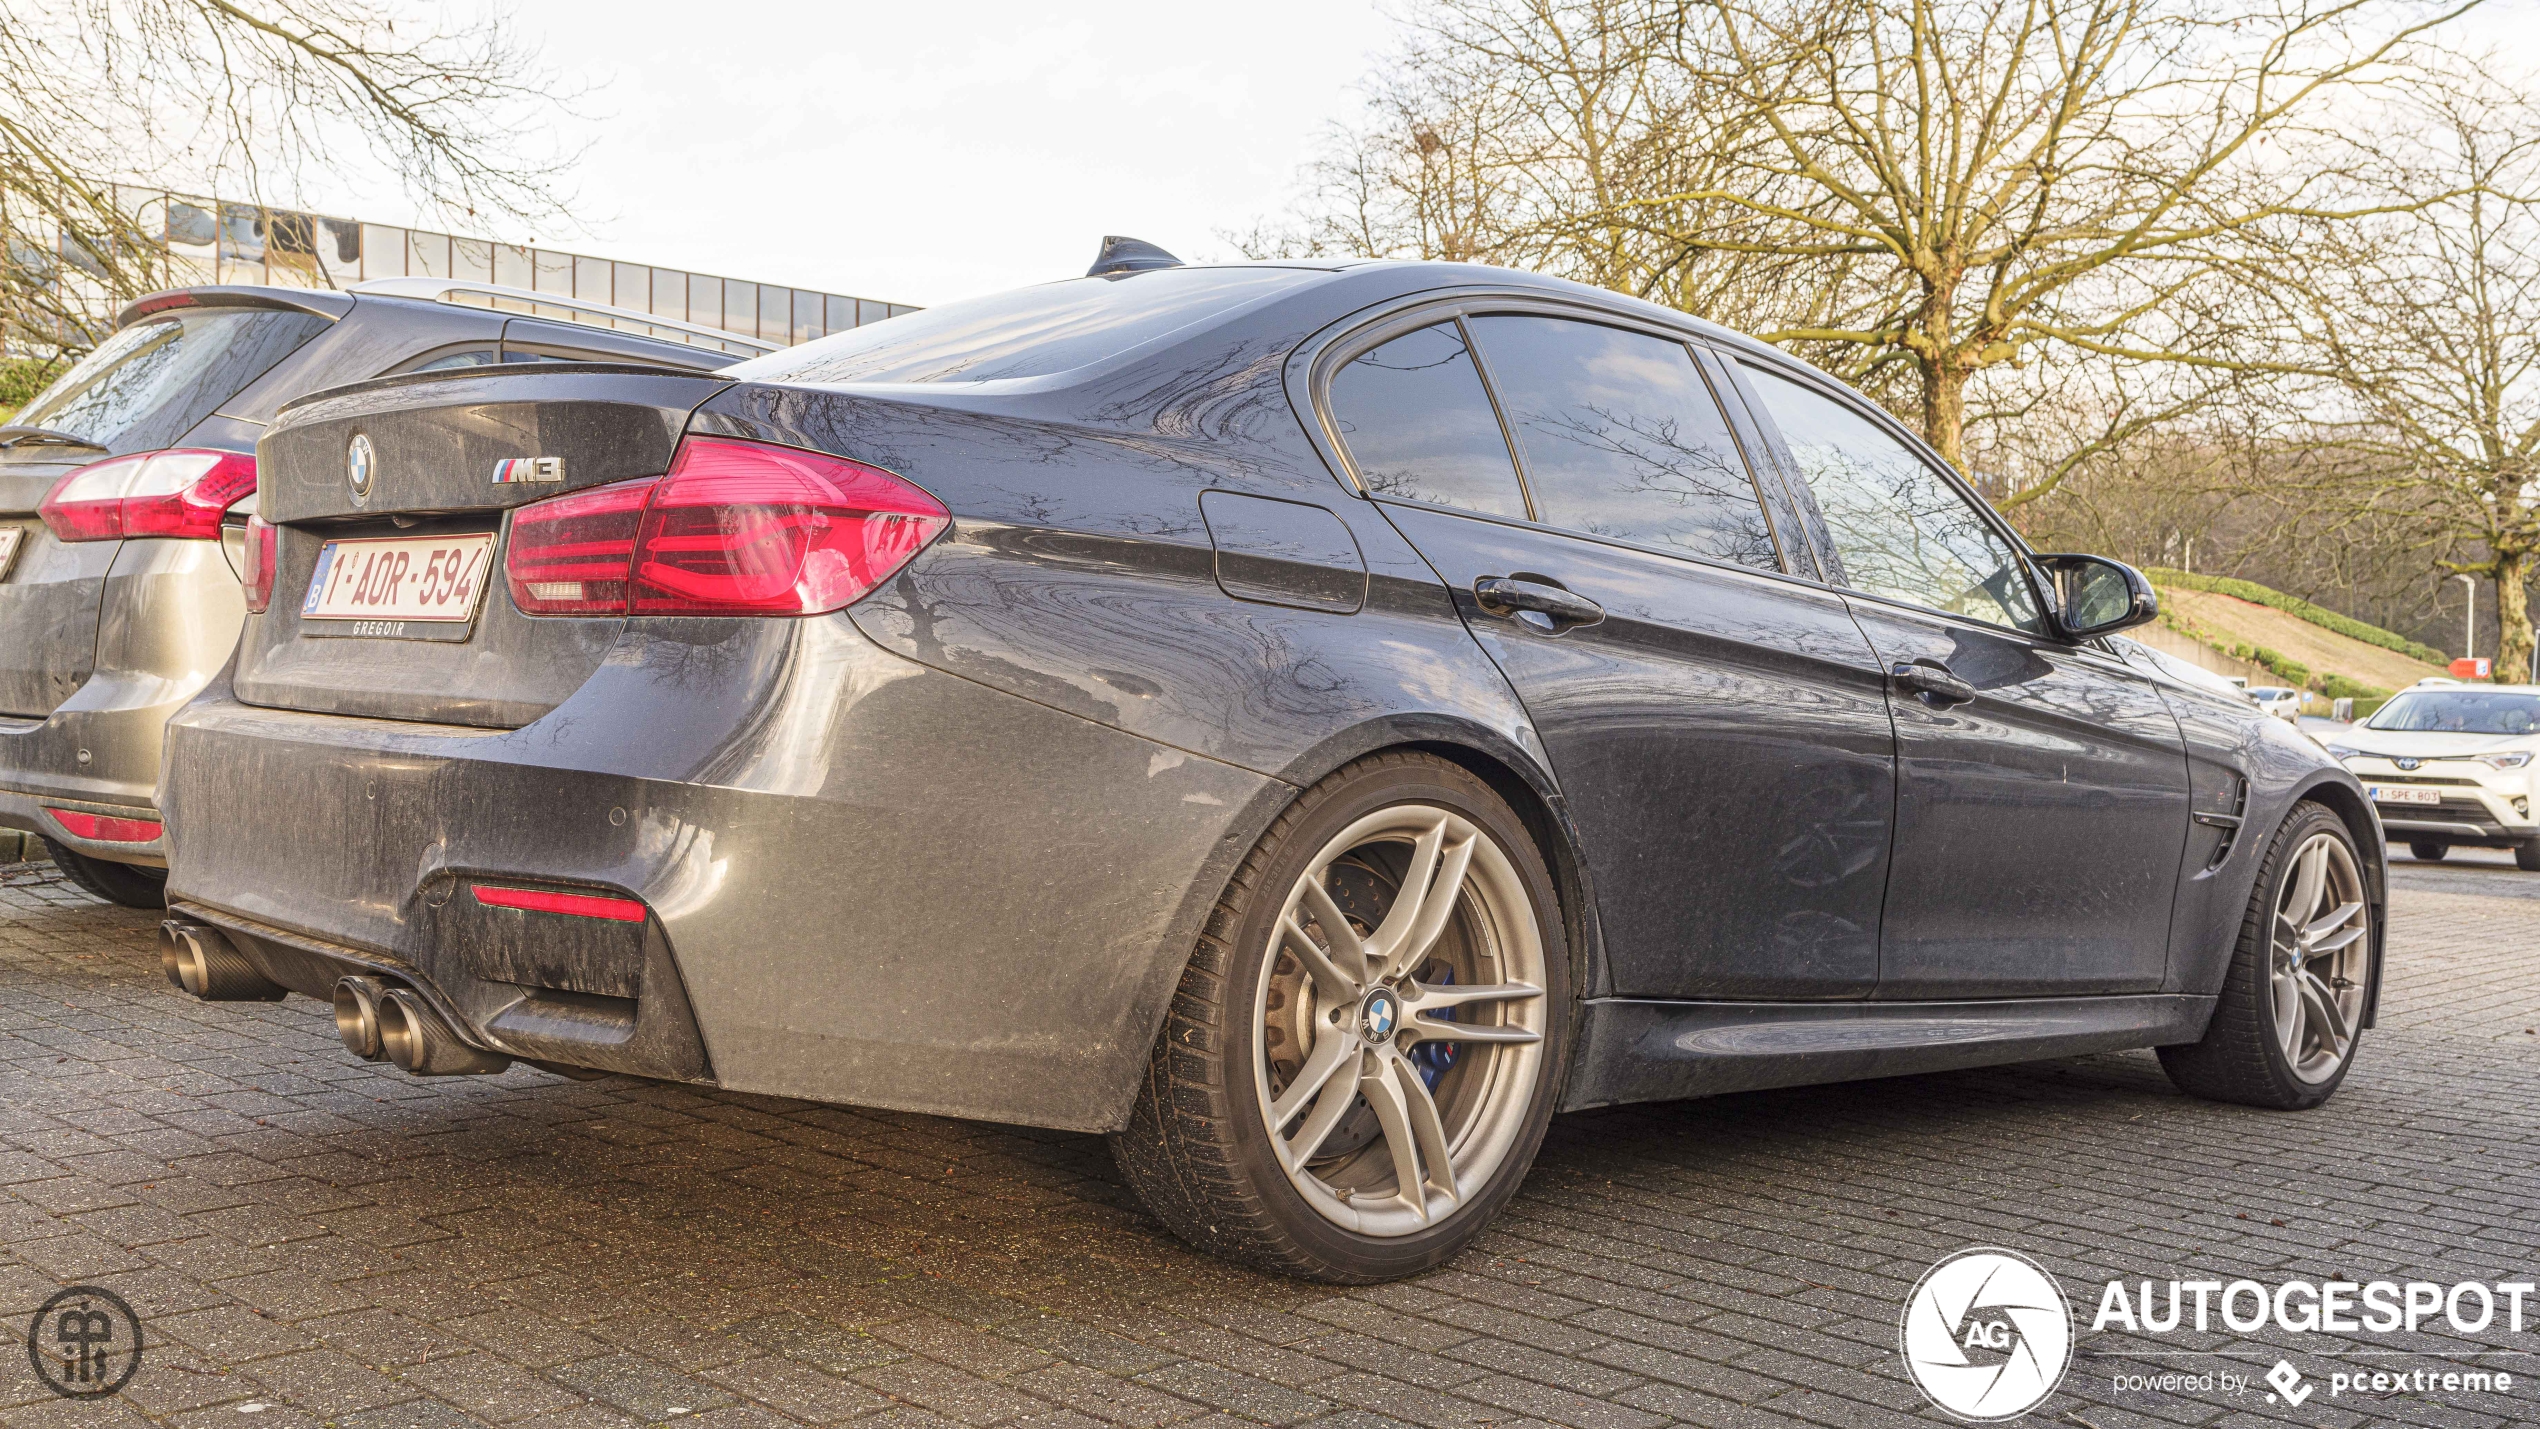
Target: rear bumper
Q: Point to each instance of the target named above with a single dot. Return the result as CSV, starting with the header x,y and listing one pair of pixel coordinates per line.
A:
x,y
867,881
168,620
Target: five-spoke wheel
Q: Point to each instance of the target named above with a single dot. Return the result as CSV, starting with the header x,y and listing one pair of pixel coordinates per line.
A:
x,y
2296,994
1402,1023
1363,1053
2318,964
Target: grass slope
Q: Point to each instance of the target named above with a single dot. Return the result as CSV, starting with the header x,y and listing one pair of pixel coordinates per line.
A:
x,y
2300,651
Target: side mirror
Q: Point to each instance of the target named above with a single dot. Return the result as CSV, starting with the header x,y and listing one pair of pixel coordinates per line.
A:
x,y
2098,596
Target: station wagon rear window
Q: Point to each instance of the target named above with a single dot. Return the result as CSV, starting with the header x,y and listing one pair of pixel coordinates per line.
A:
x,y
1031,332
149,383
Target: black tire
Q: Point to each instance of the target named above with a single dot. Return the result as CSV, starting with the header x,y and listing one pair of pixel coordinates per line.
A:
x,y
2429,850
2527,855
2239,1059
1197,1148
124,883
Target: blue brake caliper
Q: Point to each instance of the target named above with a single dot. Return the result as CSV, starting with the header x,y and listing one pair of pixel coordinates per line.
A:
x,y
1433,1057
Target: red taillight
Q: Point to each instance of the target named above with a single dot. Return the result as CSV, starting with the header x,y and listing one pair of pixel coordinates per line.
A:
x,y
569,555
736,528
105,828
171,493
543,900
255,564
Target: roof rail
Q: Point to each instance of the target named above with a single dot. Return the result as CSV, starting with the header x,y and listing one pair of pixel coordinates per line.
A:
x,y
573,310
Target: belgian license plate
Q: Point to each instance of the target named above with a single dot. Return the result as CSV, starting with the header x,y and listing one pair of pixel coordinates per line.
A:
x,y
2400,794
9,538
398,587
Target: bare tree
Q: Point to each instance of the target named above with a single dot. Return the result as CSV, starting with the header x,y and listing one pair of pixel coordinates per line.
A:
x,y
251,93
2428,320
1917,193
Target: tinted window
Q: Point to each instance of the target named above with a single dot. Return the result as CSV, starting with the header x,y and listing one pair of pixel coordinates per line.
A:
x,y
1900,530
1030,332
1419,425
1621,438
2459,712
150,382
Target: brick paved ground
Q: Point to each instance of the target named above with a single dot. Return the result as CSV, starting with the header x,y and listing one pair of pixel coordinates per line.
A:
x,y
313,1240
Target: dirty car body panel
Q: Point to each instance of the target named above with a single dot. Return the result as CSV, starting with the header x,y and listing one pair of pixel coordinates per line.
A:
x,y
948,847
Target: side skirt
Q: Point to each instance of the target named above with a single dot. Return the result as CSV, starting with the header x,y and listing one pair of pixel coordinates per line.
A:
x,y
1633,1051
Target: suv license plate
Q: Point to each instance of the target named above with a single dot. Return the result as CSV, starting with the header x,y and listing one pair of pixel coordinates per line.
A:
x,y
409,587
2398,794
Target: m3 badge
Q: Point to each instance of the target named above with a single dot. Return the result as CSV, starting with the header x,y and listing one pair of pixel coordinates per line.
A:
x,y
529,468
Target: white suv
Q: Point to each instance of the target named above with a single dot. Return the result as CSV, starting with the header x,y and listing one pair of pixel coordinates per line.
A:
x,y
2448,763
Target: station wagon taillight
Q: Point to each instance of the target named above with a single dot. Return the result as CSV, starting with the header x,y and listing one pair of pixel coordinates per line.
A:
x,y
736,528
181,493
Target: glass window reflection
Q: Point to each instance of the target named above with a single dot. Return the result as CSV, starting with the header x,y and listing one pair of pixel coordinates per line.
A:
x,y
1900,530
1621,438
1419,426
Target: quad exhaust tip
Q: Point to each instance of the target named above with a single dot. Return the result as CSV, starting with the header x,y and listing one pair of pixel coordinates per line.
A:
x,y
201,961
393,1024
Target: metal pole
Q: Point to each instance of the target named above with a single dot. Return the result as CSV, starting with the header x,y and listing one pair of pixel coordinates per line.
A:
x,y
2469,619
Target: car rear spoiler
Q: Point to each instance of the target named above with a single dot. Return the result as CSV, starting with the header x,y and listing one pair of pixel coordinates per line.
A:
x,y
329,306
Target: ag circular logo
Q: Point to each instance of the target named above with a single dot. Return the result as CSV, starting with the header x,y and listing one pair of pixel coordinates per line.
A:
x,y
85,1343
359,459
1987,1334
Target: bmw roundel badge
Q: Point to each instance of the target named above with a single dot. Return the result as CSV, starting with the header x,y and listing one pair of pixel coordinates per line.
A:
x,y
359,461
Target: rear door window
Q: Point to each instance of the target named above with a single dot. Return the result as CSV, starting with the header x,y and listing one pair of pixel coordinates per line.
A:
x,y
1900,530
1622,439
1419,426
149,383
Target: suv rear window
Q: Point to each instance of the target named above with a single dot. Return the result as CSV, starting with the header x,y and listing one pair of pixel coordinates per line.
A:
x,y
1029,332
147,385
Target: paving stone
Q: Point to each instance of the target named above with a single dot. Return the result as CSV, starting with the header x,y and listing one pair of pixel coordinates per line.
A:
x,y
392,1253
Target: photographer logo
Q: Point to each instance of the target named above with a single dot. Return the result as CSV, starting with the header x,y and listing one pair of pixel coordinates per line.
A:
x,y
85,1343
1987,1334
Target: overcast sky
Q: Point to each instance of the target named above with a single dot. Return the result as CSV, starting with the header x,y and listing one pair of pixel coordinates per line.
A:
x,y
922,152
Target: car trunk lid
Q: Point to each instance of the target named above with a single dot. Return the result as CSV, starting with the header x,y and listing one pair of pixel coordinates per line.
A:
x,y
445,458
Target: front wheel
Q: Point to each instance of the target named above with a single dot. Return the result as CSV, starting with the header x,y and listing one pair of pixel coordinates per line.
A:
x,y
2292,1005
124,883
2527,855
1364,1051
2429,850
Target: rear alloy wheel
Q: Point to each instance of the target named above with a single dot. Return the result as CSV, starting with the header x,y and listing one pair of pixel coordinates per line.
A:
x,y
2292,1006
1362,1057
124,883
2429,850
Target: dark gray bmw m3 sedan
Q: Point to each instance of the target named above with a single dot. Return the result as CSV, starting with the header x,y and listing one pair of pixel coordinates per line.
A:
x,y
1309,721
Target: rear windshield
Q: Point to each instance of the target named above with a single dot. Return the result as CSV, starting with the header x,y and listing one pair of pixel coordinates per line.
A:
x,y
2460,712
144,387
1029,332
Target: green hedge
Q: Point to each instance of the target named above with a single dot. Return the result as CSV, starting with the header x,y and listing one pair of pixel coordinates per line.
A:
x,y
2322,617
22,377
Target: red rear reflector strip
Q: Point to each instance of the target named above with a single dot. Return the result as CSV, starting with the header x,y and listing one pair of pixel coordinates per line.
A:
x,y
546,900
105,828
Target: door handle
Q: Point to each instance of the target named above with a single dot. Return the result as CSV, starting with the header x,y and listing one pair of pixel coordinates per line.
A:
x,y
1931,682
1512,597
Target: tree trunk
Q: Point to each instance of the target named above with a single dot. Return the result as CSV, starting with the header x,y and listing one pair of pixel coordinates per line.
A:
x,y
1945,410
2513,617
